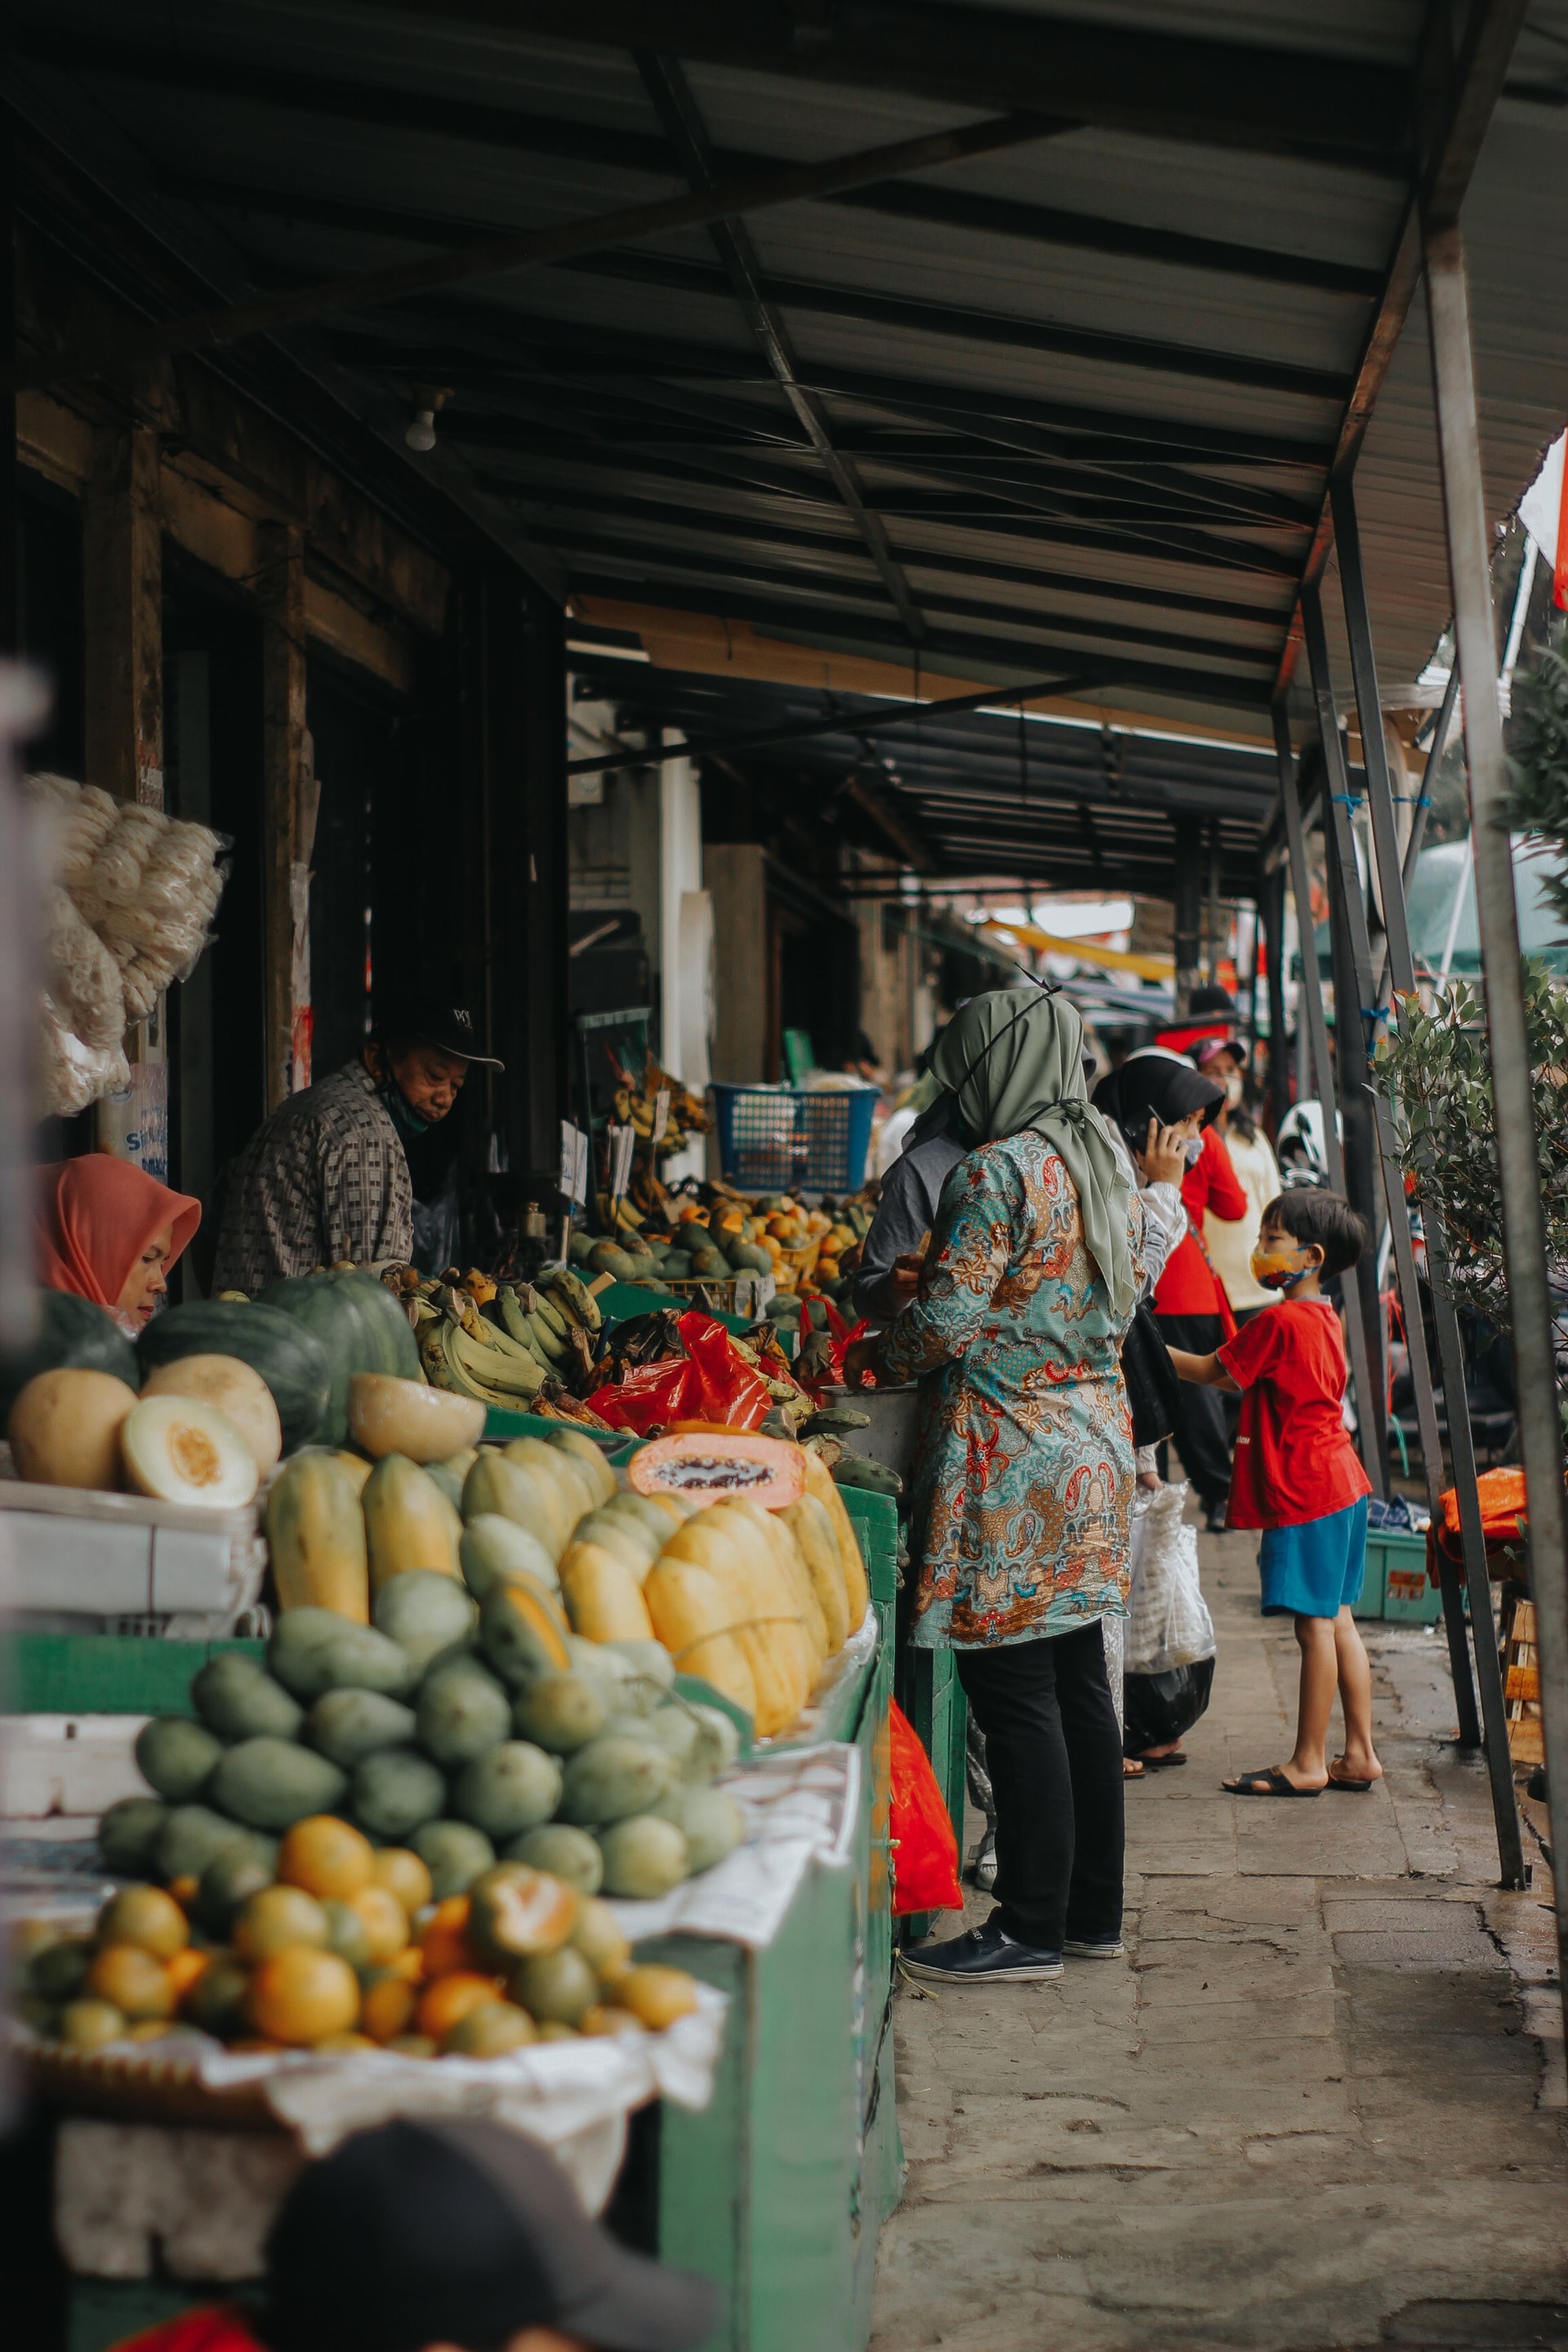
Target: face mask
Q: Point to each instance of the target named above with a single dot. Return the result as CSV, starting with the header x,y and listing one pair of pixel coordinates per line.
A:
x,y
406,1121
1192,1150
1276,1269
1233,1089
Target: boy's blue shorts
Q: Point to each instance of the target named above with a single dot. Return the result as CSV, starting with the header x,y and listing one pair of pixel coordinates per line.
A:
x,y
1315,1569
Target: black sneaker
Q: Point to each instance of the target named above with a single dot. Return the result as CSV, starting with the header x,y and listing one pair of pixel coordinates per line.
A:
x,y
1094,1947
985,1956
983,1870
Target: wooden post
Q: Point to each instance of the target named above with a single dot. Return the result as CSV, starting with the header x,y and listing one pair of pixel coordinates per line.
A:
x,y
280,596
123,615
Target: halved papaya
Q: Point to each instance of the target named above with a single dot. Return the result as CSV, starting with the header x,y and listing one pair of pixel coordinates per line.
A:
x,y
712,1466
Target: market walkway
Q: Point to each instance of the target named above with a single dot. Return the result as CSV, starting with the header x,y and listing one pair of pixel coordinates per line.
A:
x,y
1311,2107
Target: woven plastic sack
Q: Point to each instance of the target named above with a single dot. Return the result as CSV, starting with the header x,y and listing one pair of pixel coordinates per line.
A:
x,y
925,1850
1168,1622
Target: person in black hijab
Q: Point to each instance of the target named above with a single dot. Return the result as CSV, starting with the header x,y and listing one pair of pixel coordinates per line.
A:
x,y
1189,1303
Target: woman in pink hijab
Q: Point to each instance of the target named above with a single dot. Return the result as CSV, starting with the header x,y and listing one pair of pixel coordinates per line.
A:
x,y
108,1231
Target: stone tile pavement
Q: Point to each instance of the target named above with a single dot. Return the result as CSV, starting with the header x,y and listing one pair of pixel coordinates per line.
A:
x,y
1321,2101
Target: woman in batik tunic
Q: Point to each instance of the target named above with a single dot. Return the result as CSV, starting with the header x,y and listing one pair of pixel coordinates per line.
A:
x,y
1023,1478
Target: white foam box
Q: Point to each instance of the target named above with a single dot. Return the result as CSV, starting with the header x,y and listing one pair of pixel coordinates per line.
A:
x,y
86,1561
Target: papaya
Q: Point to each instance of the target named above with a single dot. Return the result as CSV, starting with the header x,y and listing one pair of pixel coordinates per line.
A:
x,y
238,1699
356,1466
762,1617
615,1776
606,1257
424,1612
674,1728
454,1853
494,1549
507,1488
651,1676
710,1820
657,1513
346,1726
176,1755
395,1792
511,1788
450,1474
390,1415
636,1544
813,1531
326,1651
565,1853
751,1257
561,1712
570,1496
694,1618
797,1579
408,1523
589,1456
644,1857
603,1595
523,1633
461,1711
819,1482
718,1743
711,1467
316,1537
269,1784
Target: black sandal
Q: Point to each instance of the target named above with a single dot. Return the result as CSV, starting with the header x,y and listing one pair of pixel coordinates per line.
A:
x,y
1276,1785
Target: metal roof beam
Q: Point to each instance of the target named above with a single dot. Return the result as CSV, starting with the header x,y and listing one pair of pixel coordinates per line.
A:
x,y
429,114
683,126
1162,85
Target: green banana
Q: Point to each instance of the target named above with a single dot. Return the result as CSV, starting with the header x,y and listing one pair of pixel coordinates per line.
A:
x,y
572,1294
514,1315
545,1342
545,1306
508,1371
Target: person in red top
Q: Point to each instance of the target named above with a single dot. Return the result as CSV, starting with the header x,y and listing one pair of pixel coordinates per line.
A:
x,y
1190,1304
1298,1478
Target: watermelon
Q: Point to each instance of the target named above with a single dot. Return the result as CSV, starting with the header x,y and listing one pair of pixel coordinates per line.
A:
x,y
290,1359
72,1333
360,1327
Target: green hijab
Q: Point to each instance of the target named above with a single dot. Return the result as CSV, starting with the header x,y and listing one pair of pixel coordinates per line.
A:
x,y
1014,1059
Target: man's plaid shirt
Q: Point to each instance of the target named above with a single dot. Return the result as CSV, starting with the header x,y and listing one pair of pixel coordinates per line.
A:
x,y
325,1178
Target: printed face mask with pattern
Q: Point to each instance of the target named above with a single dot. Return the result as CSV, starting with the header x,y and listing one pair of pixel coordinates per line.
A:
x,y
1279,1266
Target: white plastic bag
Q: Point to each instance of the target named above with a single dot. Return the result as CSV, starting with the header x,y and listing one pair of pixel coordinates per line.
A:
x,y
1168,1622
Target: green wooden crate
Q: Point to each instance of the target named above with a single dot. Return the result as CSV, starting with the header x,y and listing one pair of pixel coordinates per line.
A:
x,y
103,1674
1396,1590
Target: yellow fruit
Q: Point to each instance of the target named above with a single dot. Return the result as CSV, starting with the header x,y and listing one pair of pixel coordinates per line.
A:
x,y
187,1970
444,1939
401,1873
326,1856
451,1998
134,1980
598,1938
489,2031
301,1997
276,1919
605,2018
384,1920
146,1916
388,2006
657,1996
88,2024
315,1534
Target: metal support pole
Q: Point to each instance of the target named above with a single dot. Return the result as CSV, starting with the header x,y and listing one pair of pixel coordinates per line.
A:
x,y
1317,1029
1189,912
1272,910
1519,1163
1401,974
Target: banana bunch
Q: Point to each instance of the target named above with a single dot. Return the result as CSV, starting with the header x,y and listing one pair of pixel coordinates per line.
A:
x,y
636,1107
542,1332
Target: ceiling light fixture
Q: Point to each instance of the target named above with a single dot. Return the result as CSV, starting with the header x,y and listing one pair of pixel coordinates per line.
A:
x,y
428,398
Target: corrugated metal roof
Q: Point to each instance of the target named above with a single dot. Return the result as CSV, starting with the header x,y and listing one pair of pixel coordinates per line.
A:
x,y
1063,411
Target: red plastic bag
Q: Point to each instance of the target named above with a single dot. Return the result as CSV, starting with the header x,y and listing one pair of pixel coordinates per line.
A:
x,y
925,1851
710,1382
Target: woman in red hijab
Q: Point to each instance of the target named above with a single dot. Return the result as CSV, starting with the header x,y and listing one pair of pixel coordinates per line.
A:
x,y
109,1231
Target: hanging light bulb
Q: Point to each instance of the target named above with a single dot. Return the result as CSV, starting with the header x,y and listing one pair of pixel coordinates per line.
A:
x,y
421,434
427,398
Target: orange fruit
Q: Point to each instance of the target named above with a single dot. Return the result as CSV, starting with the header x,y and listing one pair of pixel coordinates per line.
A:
x,y
409,1964
444,1940
388,2005
276,1917
301,1996
401,1871
187,1970
185,1889
146,1916
450,1998
384,1920
327,1857
135,1981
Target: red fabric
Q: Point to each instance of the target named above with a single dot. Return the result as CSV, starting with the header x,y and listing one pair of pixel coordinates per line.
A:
x,y
94,1217
1189,1285
211,2327
925,1851
710,1382
1192,1033
1503,1499
1294,1459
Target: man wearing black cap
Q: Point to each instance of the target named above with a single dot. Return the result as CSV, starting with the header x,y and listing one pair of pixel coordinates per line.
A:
x,y
327,1176
447,2235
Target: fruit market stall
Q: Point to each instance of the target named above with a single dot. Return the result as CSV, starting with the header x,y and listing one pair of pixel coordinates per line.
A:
x,y
559,1782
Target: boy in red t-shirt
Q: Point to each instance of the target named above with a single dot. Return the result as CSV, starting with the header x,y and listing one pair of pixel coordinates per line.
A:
x,y
1297,1477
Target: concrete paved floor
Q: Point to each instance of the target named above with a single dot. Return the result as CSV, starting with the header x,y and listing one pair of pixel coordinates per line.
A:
x,y
1320,2102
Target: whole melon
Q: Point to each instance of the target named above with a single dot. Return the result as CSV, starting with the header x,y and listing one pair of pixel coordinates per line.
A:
x,y
271,1784
238,1392
615,1776
176,1755
238,1699
285,1355
424,1612
511,1788
69,1332
359,1327
644,1857
390,1415
395,1792
65,1428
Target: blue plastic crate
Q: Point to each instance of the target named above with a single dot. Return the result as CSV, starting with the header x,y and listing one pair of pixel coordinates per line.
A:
x,y
788,1140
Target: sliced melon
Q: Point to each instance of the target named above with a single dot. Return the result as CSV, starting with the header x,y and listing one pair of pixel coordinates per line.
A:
x,y
236,1388
182,1450
713,1466
388,1415
65,1427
